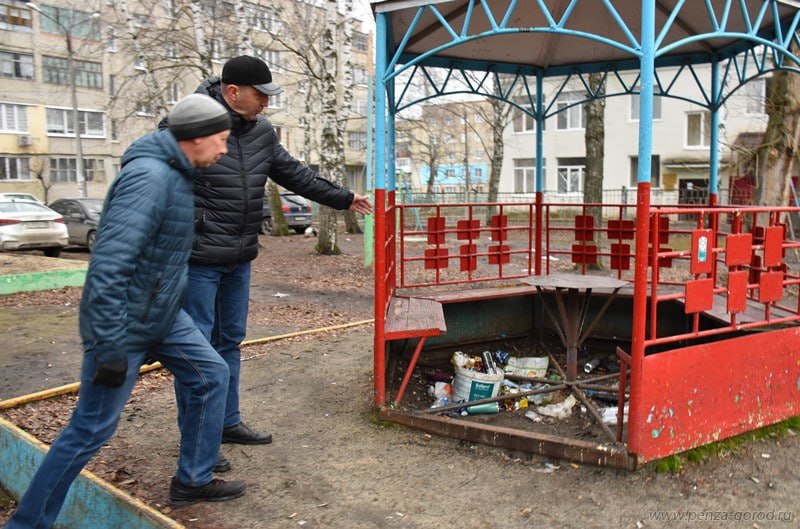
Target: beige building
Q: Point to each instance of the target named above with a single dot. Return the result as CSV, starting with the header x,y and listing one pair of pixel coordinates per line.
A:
x,y
123,86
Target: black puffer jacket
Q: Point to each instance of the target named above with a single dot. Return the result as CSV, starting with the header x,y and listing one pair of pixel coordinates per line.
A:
x,y
229,195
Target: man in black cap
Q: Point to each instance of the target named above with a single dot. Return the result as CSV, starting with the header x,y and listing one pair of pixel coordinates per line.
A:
x,y
131,308
228,213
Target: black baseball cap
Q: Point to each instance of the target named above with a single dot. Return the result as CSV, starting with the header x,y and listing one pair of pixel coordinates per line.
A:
x,y
250,71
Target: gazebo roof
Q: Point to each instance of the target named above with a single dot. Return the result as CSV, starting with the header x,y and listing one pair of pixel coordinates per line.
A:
x,y
556,36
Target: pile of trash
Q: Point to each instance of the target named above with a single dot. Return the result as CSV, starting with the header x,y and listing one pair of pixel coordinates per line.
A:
x,y
483,376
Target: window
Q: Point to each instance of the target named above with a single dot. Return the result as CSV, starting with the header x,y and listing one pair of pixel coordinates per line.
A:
x,y
360,42
449,174
263,19
635,107
360,75
655,171
276,101
112,85
138,63
524,175
571,174
357,140
13,118
15,16
359,107
756,94
111,39
169,8
274,59
219,49
55,70
570,117
478,173
15,168
170,51
114,130
523,122
145,108
80,24
65,170
59,122
175,90
698,128
16,65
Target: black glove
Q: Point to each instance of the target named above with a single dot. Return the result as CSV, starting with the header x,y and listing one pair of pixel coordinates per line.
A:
x,y
111,373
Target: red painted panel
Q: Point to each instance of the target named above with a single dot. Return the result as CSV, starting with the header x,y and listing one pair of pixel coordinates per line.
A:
x,y
584,254
436,258
436,230
702,256
704,393
584,228
773,246
620,229
755,265
770,286
663,231
468,229
468,259
663,262
699,295
737,291
499,254
501,222
620,256
738,249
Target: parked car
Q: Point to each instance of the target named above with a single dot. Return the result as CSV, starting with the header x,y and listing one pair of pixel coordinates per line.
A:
x,y
82,215
296,209
26,225
20,196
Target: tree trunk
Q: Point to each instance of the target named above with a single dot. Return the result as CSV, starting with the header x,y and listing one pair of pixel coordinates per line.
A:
x,y
277,218
595,153
777,152
499,117
351,223
332,151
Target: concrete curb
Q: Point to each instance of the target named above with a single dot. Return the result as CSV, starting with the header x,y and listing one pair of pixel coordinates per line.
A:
x,y
11,284
91,503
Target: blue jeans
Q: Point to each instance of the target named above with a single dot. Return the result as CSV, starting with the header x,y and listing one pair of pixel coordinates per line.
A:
x,y
217,299
184,352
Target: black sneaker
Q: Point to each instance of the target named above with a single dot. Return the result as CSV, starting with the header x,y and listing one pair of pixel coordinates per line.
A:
x,y
222,465
216,490
244,435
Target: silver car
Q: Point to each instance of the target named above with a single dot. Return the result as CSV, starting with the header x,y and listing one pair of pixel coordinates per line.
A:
x,y
27,225
82,216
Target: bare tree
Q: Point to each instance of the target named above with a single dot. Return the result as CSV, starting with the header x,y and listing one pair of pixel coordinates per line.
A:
x,y
594,138
277,223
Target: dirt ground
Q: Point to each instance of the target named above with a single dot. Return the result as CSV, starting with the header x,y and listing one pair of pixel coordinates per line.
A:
x,y
332,464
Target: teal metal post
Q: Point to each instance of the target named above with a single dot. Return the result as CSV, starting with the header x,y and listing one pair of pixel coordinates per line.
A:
x,y
369,232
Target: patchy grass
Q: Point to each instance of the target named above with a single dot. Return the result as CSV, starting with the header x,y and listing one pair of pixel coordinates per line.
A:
x,y
676,462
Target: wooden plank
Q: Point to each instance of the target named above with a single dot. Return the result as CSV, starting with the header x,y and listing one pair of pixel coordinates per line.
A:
x,y
480,293
414,317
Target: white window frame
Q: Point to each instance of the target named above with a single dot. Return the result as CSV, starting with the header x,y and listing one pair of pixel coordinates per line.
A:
x,y
570,171
17,65
360,75
572,114
276,101
94,169
14,118
65,114
524,175
705,129
633,108
175,90
755,92
22,168
357,140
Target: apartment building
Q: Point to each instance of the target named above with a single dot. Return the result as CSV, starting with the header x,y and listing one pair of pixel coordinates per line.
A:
x,y
132,61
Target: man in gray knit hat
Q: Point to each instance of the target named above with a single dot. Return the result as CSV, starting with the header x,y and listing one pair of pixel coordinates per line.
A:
x,y
131,308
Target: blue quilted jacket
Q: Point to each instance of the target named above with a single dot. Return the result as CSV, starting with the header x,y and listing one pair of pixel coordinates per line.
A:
x,y
137,274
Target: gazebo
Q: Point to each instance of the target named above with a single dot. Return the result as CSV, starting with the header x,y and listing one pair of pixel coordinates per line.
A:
x,y
713,349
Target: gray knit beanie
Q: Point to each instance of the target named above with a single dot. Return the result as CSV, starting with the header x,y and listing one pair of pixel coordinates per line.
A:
x,y
197,115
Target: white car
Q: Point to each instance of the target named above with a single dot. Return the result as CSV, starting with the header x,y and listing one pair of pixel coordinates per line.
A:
x,y
26,225
19,196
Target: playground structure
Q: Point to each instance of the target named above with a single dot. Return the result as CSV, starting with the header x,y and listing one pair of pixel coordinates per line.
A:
x,y
708,309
